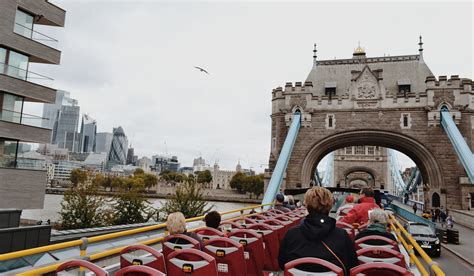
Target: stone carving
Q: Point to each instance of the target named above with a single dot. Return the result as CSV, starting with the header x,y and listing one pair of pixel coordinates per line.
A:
x,y
366,90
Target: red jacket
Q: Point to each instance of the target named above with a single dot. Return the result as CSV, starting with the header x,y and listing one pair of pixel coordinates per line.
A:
x,y
360,212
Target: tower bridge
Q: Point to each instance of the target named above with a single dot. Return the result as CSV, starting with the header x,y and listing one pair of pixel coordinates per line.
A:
x,y
391,101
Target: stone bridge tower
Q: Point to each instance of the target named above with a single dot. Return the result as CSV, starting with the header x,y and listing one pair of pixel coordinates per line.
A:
x,y
390,101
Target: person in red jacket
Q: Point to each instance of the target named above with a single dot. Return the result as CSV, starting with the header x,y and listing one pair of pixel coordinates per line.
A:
x,y
360,212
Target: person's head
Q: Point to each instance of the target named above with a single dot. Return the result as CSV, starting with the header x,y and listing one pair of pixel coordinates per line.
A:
x,y
280,198
176,223
366,192
213,219
318,200
378,216
291,200
350,199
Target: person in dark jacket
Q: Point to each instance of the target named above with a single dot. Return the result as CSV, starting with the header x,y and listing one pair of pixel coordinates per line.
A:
x,y
317,236
378,220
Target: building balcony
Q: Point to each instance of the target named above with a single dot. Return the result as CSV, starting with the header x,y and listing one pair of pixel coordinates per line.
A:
x,y
35,35
21,131
32,86
46,12
22,188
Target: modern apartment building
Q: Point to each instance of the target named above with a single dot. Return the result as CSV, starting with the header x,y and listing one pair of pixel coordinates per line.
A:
x,y
21,45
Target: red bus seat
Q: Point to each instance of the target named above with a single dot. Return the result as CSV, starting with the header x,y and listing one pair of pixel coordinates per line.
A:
x,y
155,261
349,229
279,226
258,218
271,243
136,270
288,220
376,241
191,262
207,233
377,269
81,263
178,241
380,254
229,256
228,226
244,221
276,211
290,267
253,250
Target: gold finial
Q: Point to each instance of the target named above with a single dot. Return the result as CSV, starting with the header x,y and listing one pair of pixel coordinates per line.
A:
x,y
359,50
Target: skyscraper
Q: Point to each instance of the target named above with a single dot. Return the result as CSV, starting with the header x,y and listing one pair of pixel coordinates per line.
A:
x,y
103,141
65,135
51,111
118,149
88,134
130,154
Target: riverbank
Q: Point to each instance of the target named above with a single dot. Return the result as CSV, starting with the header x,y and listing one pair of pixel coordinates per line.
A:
x,y
208,195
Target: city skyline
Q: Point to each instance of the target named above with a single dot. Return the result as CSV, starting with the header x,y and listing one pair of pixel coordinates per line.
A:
x,y
177,109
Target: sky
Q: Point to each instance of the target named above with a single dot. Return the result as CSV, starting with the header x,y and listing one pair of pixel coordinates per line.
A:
x,y
131,63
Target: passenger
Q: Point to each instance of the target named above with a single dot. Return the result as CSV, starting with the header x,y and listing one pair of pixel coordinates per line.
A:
x,y
344,209
280,203
317,236
289,202
360,212
176,224
213,219
378,220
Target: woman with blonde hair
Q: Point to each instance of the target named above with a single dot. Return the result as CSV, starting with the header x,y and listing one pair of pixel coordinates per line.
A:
x,y
317,236
176,224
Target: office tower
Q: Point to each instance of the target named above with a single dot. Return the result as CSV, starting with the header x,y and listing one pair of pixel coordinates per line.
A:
x,y
88,134
118,148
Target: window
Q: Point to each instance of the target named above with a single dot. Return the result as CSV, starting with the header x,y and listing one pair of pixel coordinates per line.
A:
x,y
330,119
23,24
404,89
349,150
330,92
13,63
405,121
273,143
370,150
360,150
10,107
8,152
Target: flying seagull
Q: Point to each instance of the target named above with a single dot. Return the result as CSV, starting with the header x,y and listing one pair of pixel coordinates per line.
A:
x,y
202,70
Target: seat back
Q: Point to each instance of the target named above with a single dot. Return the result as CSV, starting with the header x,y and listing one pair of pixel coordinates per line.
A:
x,y
271,243
178,241
276,211
291,270
380,254
288,220
136,270
279,226
349,229
229,256
244,222
228,226
191,262
155,261
376,269
253,250
258,218
81,263
376,241
207,233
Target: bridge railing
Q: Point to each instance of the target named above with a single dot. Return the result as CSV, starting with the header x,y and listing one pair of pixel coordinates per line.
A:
x,y
85,243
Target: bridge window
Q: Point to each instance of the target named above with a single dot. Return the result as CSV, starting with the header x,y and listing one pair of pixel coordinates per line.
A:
x,y
330,89
330,121
405,121
404,89
360,150
370,150
349,150
273,143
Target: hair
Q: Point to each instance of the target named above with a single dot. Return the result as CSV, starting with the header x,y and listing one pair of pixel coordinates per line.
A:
x,y
213,219
176,223
291,200
318,200
367,191
378,216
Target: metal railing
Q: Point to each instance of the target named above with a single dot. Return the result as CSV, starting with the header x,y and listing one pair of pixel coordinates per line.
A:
x,y
12,116
395,224
34,35
85,242
26,75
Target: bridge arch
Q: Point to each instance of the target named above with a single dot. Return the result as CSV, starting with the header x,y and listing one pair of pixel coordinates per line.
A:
x,y
355,169
427,163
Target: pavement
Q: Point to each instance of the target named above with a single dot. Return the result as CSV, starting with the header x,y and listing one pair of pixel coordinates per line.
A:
x,y
465,248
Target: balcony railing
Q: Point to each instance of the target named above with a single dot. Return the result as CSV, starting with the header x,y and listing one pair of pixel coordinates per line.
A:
x,y
24,118
25,75
36,36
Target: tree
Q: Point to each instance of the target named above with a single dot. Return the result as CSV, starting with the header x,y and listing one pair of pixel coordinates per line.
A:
x,y
188,200
204,177
172,177
237,182
138,171
82,207
130,206
78,176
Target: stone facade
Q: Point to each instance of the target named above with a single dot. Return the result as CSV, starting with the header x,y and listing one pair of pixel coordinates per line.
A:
x,y
369,106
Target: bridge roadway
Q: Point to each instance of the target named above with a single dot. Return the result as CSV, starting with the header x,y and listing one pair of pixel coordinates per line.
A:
x,y
455,259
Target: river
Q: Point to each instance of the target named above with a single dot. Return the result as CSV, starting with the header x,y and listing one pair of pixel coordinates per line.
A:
x,y
52,205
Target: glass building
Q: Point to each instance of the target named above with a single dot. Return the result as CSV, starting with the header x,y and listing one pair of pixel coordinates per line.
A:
x,y
118,148
88,134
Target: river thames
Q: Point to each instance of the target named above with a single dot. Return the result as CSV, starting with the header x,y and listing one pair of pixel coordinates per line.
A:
x,y
52,205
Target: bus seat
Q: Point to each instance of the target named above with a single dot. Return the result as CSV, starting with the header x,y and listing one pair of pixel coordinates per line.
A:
x,y
377,269
253,250
229,256
85,264
191,262
376,241
207,233
271,244
377,254
136,270
291,270
178,241
155,261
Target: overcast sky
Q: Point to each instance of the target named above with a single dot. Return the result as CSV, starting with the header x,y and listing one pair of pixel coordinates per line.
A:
x,y
130,63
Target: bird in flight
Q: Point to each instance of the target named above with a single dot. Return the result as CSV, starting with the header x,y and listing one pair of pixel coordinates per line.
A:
x,y
202,70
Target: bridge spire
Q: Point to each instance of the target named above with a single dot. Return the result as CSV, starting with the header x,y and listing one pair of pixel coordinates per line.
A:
x,y
420,49
314,55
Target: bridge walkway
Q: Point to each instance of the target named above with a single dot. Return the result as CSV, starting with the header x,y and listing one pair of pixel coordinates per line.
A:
x,y
465,248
